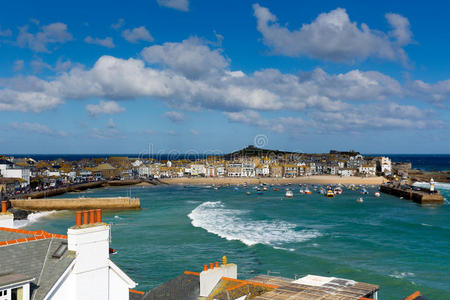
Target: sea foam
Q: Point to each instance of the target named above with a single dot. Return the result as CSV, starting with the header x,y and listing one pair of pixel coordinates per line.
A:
x,y
231,225
438,185
31,218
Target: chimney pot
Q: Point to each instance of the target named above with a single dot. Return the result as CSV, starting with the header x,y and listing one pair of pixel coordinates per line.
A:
x,y
98,213
205,267
224,260
3,206
91,216
216,264
211,266
78,218
85,217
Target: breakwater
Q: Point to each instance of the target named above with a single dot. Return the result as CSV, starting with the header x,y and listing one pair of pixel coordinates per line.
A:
x,y
421,196
108,203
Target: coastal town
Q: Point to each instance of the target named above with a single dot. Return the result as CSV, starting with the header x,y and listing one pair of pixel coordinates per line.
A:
x,y
25,175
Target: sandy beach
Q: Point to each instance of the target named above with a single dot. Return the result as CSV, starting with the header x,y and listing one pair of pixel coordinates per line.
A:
x,y
320,179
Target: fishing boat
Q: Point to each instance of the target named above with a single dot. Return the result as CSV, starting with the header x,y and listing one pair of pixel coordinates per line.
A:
x,y
301,191
289,194
330,194
308,192
360,200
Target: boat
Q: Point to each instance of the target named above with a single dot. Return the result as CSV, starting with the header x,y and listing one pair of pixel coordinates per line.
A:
x,y
301,191
377,194
275,190
364,191
264,188
248,193
289,194
338,190
360,200
308,192
330,194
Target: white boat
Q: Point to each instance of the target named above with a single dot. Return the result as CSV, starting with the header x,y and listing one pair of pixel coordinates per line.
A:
x,y
377,194
308,192
301,191
289,194
338,190
360,200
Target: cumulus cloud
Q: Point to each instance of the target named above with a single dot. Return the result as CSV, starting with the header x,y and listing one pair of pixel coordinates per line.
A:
x,y
333,37
174,116
216,86
54,33
106,42
119,24
191,57
137,34
105,108
182,5
38,128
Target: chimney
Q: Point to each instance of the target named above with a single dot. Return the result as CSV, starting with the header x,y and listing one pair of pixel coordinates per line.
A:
x,y
90,241
6,218
210,277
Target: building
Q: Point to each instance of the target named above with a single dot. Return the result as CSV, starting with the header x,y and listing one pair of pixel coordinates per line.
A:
x,y
54,266
219,281
384,165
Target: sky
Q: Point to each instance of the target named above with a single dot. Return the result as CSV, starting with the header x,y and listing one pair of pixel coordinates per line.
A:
x,y
190,76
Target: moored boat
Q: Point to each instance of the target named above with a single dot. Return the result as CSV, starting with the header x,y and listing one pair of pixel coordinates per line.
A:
x,y
289,194
330,194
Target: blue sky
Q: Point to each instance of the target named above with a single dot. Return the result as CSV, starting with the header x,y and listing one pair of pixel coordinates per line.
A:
x,y
214,76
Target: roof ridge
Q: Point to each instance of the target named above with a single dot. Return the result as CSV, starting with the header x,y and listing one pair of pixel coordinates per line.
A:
x,y
43,267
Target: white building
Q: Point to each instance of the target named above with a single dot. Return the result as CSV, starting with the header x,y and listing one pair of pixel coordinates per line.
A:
x,y
384,165
24,174
53,266
369,170
198,169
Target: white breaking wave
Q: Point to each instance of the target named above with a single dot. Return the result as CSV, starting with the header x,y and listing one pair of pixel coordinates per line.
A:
x,y
401,275
33,217
228,224
438,185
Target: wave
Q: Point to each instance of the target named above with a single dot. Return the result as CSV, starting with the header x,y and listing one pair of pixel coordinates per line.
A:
x,y
401,275
438,185
31,218
229,224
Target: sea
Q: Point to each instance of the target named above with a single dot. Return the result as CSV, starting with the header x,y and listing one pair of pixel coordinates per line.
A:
x,y
397,244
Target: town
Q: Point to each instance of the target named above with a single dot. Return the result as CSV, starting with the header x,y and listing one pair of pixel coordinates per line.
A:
x,y
25,175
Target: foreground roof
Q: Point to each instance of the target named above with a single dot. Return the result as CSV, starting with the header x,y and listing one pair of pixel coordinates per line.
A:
x,y
32,254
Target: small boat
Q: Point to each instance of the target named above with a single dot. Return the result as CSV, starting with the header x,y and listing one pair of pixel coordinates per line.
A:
x,y
260,193
301,191
360,200
275,190
364,192
308,192
264,188
377,194
330,194
289,194
248,193
338,190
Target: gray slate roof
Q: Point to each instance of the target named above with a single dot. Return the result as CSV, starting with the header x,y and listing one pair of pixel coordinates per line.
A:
x,y
182,287
34,259
7,235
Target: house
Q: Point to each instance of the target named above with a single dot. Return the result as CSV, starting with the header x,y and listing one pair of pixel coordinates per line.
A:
x,y
20,173
234,170
248,170
262,170
367,169
55,266
219,281
106,170
384,165
290,170
276,171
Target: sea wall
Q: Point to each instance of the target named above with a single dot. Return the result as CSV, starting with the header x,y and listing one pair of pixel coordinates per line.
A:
x,y
111,203
420,196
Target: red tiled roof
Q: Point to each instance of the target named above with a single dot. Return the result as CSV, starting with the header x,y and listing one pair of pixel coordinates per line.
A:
x,y
36,235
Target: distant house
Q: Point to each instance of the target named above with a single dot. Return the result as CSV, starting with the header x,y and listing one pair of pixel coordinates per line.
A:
x,y
106,170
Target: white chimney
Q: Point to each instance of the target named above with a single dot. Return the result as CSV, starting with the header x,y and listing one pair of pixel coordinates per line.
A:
x,y
6,218
210,277
90,240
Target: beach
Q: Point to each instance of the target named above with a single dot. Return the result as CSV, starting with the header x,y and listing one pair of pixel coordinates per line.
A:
x,y
319,179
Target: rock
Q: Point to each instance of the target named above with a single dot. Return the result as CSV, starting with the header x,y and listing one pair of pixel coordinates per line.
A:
x,y
19,214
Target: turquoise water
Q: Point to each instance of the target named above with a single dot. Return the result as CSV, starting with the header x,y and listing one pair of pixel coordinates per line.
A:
x,y
397,244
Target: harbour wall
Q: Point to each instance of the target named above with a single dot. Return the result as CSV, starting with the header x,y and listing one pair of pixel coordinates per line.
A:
x,y
422,196
111,203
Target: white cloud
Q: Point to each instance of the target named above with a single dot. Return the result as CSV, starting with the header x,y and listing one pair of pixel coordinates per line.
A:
x,y
437,93
38,128
253,118
174,116
194,132
105,134
5,32
38,65
191,57
106,42
332,36
18,65
182,5
137,34
119,24
49,34
104,107
24,101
